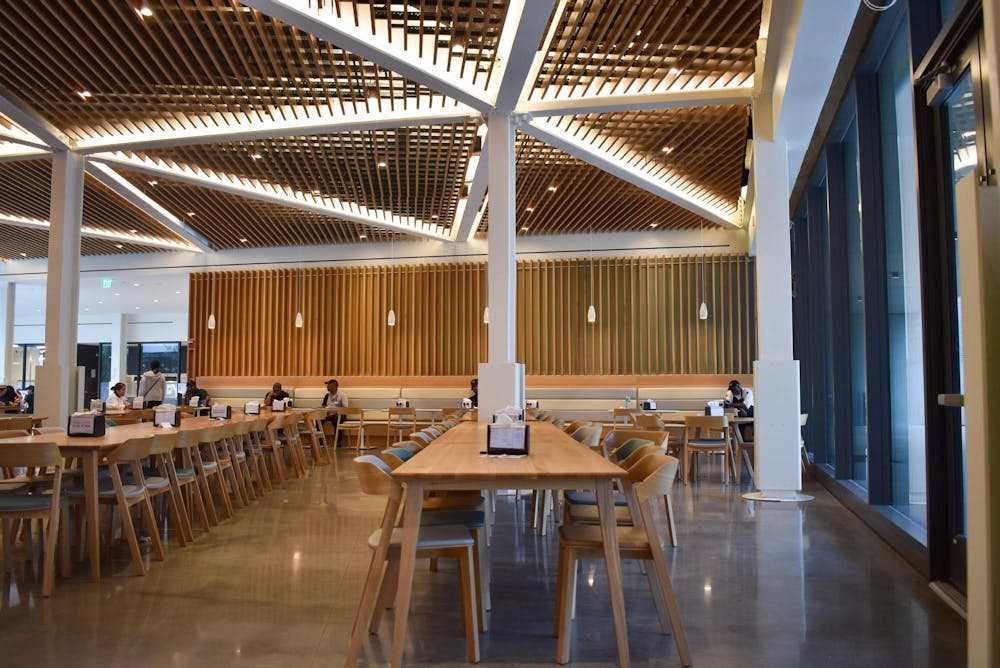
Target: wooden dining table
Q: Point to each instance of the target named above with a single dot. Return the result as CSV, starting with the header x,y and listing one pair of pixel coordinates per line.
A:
x,y
456,461
90,450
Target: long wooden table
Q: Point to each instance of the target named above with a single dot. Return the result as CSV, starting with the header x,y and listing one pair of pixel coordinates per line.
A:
x,y
454,462
92,449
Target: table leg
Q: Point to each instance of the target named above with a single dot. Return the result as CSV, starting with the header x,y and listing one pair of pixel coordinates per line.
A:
x,y
606,508
407,562
89,462
369,595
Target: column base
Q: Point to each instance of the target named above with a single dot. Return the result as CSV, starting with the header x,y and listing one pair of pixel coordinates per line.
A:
x,y
777,495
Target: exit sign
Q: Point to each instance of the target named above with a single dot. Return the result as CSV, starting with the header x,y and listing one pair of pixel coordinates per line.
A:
x,y
106,283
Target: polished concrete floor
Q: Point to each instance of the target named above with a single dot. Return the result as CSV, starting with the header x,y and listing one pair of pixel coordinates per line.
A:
x,y
758,585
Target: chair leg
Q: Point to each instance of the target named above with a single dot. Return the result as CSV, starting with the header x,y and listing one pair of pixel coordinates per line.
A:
x,y
671,527
479,561
566,597
386,593
154,535
469,605
133,542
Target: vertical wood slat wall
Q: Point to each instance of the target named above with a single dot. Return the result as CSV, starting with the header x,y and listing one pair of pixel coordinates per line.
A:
x,y
647,318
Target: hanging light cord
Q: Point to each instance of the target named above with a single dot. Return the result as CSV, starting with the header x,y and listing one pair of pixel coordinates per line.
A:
x,y
703,262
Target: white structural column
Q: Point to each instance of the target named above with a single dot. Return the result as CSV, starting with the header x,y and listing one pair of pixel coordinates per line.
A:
x,y
501,379
119,342
56,379
776,375
7,302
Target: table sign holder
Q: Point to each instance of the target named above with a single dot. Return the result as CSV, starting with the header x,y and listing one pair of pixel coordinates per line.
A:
x,y
508,439
166,415
86,424
222,411
279,405
251,408
138,403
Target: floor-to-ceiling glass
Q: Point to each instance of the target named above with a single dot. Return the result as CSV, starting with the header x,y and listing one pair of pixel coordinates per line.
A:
x,y
903,291
856,308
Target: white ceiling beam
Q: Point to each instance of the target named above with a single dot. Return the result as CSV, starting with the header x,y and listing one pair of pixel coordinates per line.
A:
x,y
15,135
326,26
97,233
247,130
604,104
469,212
14,152
280,195
124,189
520,37
616,166
528,85
17,111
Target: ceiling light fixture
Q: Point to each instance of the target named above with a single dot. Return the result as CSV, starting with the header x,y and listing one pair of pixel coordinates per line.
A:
x,y
591,311
243,240
256,156
144,11
667,149
190,213
152,183
382,164
552,189
653,224
486,315
211,312
391,319
703,309
529,209
84,94
300,322
362,236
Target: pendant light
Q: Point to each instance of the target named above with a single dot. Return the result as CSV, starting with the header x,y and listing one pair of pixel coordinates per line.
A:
x,y
703,309
299,320
391,319
211,311
486,315
591,311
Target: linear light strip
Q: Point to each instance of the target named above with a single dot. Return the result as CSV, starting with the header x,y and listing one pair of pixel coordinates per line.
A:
x,y
98,233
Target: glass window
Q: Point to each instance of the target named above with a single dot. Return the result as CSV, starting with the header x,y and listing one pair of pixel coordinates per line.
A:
x,y
904,321
856,308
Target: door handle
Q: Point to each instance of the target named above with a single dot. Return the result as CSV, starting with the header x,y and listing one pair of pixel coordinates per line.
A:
x,y
951,400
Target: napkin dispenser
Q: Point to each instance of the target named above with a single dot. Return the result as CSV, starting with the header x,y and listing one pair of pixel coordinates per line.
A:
x,y
222,411
166,415
97,406
86,424
251,408
467,404
649,405
402,403
195,402
138,403
531,403
714,408
279,405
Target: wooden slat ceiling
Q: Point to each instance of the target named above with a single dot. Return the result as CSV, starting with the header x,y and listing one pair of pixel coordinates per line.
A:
x,y
93,68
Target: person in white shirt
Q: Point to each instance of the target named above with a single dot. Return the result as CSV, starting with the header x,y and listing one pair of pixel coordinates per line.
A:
x,y
334,399
116,399
152,385
739,398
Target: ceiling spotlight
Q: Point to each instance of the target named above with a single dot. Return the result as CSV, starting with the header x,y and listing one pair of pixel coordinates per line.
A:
x,y
135,285
529,209
133,231
243,240
653,224
362,236
118,294
190,213
119,246
156,301
552,189
667,149
256,156
143,10
152,183
24,255
675,70
177,292
136,308
524,228
382,164
99,301
84,94
434,216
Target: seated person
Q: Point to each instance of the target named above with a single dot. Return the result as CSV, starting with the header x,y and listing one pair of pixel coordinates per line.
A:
x,y
334,398
9,396
28,399
194,391
116,398
276,394
474,398
739,398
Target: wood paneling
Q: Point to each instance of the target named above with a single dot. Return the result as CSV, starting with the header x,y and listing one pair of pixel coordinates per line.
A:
x,y
647,319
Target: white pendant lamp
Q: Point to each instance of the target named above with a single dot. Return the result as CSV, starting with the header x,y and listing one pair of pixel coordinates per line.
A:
x,y
703,309
591,314
391,318
211,312
211,321
486,315
300,322
591,311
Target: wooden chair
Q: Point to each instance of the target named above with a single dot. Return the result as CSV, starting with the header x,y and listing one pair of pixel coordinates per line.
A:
x,y
438,541
237,440
649,421
743,452
41,504
412,446
311,430
622,417
191,479
422,437
656,474
256,435
576,424
400,419
455,412
352,423
706,434
161,480
17,423
589,435
394,457
273,444
126,494
212,460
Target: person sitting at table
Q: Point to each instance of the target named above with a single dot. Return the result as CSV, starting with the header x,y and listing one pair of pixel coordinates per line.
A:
x,y
9,397
116,398
152,386
334,398
276,394
194,391
474,397
28,399
739,398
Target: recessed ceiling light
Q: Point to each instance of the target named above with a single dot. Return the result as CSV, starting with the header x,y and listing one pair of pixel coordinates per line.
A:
x,y
552,189
524,229
136,308
133,231
152,183
99,301
256,156
653,224
362,236
156,301
24,255
434,216
675,70
190,213
86,309
84,94
529,209
382,164
243,240
144,11
119,246
667,149
316,192
135,285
